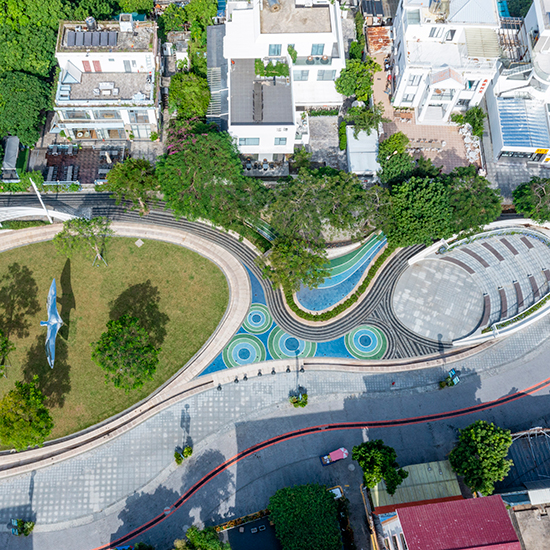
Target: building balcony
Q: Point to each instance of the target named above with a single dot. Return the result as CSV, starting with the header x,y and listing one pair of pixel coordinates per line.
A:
x,y
314,60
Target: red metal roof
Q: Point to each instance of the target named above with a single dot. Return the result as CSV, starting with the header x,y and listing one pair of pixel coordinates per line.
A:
x,y
472,524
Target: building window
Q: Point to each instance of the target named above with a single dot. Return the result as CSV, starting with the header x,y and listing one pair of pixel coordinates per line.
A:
x,y
413,17
463,103
414,79
387,544
141,131
249,141
275,49
471,84
395,543
127,66
111,60
436,32
280,141
134,63
300,76
75,115
317,49
326,75
105,115
408,98
450,35
139,117
403,543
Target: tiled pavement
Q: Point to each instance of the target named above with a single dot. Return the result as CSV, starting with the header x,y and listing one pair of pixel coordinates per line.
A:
x,y
87,487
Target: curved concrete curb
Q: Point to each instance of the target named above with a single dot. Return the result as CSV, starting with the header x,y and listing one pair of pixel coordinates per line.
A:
x,y
179,385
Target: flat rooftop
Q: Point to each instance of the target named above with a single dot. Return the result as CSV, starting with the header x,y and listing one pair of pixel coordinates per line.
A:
x,y
258,101
74,36
290,19
111,87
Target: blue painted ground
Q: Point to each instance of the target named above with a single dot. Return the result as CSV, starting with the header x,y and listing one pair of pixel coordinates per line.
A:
x,y
337,287
250,346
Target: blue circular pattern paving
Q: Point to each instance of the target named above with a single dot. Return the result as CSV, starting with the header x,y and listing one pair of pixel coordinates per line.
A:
x,y
366,342
282,345
258,320
243,350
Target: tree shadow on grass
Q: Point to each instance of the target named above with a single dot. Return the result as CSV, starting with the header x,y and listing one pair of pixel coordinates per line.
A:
x,y
142,301
54,383
18,291
66,300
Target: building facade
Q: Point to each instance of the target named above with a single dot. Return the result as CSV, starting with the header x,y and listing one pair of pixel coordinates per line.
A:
x,y
282,56
445,54
108,85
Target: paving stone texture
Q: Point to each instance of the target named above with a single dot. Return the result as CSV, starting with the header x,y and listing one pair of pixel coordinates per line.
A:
x,y
81,489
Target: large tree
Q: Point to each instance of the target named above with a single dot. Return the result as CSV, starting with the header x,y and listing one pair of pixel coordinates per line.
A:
x,y
81,235
125,353
201,177
305,517
532,199
24,419
189,95
480,456
102,10
366,119
378,462
133,180
473,202
24,99
357,78
418,212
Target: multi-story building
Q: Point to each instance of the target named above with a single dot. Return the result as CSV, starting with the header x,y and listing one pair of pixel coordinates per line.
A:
x,y
445,54
108,87
303,41
518,101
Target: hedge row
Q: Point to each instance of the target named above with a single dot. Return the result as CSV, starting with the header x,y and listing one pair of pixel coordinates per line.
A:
x,y
331,313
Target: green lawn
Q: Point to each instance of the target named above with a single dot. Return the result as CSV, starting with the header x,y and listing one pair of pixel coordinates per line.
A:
x,y
179,296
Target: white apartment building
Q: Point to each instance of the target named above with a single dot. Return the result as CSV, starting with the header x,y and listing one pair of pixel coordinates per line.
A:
x,y
445,54
265,114
518,101
108,87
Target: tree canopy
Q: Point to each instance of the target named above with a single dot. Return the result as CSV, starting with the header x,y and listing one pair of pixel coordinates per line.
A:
x,y
473,202
366,119
24,419
24,98
133,180
357,78
201,177
532,199
125,353
129,6
305,517
189,95
378,462
419,212
201,539
480,456
81,235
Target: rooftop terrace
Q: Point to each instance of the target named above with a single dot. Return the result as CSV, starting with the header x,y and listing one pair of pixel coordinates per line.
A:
x,y
74,36
290,19
108,88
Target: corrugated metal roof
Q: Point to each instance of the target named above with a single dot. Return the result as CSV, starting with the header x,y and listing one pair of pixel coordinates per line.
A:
x,y
424,482
531,458
523,122
473,11
474,523
482,43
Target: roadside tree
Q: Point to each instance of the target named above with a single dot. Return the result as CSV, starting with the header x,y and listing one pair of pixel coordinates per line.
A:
x,y
24,419
378,462
532,199
480,456
473,202
82,235
133,180
305,517
125,353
